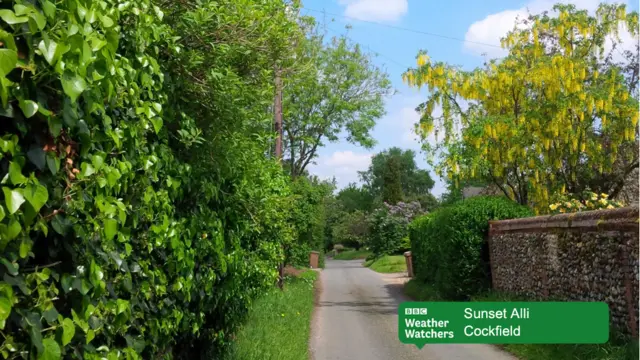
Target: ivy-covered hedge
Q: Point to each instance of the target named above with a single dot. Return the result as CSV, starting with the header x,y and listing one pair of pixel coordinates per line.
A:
x,y
449,246
138,213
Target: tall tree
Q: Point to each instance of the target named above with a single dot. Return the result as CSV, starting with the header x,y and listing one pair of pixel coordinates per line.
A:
x,y
413,181
391,183
341,91
353,198
556,114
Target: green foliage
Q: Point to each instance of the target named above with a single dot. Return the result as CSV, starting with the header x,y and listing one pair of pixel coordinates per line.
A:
x,y
449,246
389,228
394,172
387,264
124,234
337,90
308,217
278,324
351,230
352,255
354,198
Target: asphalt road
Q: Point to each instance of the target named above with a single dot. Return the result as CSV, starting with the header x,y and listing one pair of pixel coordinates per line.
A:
x,y
356,319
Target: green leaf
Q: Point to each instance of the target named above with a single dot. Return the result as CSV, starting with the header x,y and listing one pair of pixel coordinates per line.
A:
x,y
73,85
48,50
68,331
15,174
13,199
5,309
10,17
53,164
110,228
107,22
50,351
13,230
8,60
37,156
25,248
157,124
51,315
90,336
12,268
40,20
36,195
2,213
49,9
86,170
28,107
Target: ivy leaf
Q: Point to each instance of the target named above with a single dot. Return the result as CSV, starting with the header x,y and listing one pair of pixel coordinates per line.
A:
x,y
110,228
36,195
10,17
86,170
13,199
37,157
13,230
50,350
12,268
73,85
49,9
157,124
107,22
5,310
51,315
25,248
8,60
68,331
15,174
48,50
28,107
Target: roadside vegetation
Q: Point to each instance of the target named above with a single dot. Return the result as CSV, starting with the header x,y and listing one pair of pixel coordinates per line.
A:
x,y
278,324
387,264
352,255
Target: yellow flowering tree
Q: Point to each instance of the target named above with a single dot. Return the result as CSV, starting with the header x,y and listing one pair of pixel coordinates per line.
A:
x,y
556,114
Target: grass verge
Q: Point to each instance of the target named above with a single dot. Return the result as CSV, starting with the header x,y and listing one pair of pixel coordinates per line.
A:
x,y
352,255
278,324
387,264
618,347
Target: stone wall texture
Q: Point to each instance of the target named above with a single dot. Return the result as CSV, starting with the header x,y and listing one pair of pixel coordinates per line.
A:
x,y
587,256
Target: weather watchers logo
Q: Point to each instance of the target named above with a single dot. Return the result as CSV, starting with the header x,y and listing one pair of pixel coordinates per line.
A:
x,y
503,323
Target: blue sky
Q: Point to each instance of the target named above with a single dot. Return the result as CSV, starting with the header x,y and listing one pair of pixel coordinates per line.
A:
x,y
470,21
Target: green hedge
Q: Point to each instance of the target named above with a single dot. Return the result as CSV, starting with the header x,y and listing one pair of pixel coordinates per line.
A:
x,y
449,247
123,233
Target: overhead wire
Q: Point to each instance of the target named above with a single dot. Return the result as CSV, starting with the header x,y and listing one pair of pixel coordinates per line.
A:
x,y
402,28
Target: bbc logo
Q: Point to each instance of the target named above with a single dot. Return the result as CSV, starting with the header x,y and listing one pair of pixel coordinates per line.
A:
x,y
415,311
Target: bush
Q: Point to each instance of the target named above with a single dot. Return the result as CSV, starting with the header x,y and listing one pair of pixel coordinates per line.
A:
x,y
449,247
388,228
123,234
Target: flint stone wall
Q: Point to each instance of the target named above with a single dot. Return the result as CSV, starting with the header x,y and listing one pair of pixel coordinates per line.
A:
x,y
587,256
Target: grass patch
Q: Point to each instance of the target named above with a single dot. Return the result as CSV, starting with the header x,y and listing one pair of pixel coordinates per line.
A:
x,y
352,255
278,324
387,264
618,347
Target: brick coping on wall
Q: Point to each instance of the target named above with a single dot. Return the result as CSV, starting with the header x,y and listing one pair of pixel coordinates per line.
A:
x,y
622,219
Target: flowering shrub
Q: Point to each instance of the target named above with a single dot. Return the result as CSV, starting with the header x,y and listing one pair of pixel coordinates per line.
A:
x,y
569,203
389,226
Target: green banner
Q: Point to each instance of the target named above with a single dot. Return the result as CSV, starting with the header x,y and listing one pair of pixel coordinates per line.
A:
x,y
423,323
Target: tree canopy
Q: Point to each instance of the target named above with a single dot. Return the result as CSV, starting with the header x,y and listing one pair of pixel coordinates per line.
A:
x,y
340,91
559,113
393,175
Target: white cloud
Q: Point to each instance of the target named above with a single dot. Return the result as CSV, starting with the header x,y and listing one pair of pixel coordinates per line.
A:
x,y
495,26
344,165
375,10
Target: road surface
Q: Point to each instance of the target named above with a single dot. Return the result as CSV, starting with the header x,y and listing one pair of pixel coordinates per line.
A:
x,y
356,319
